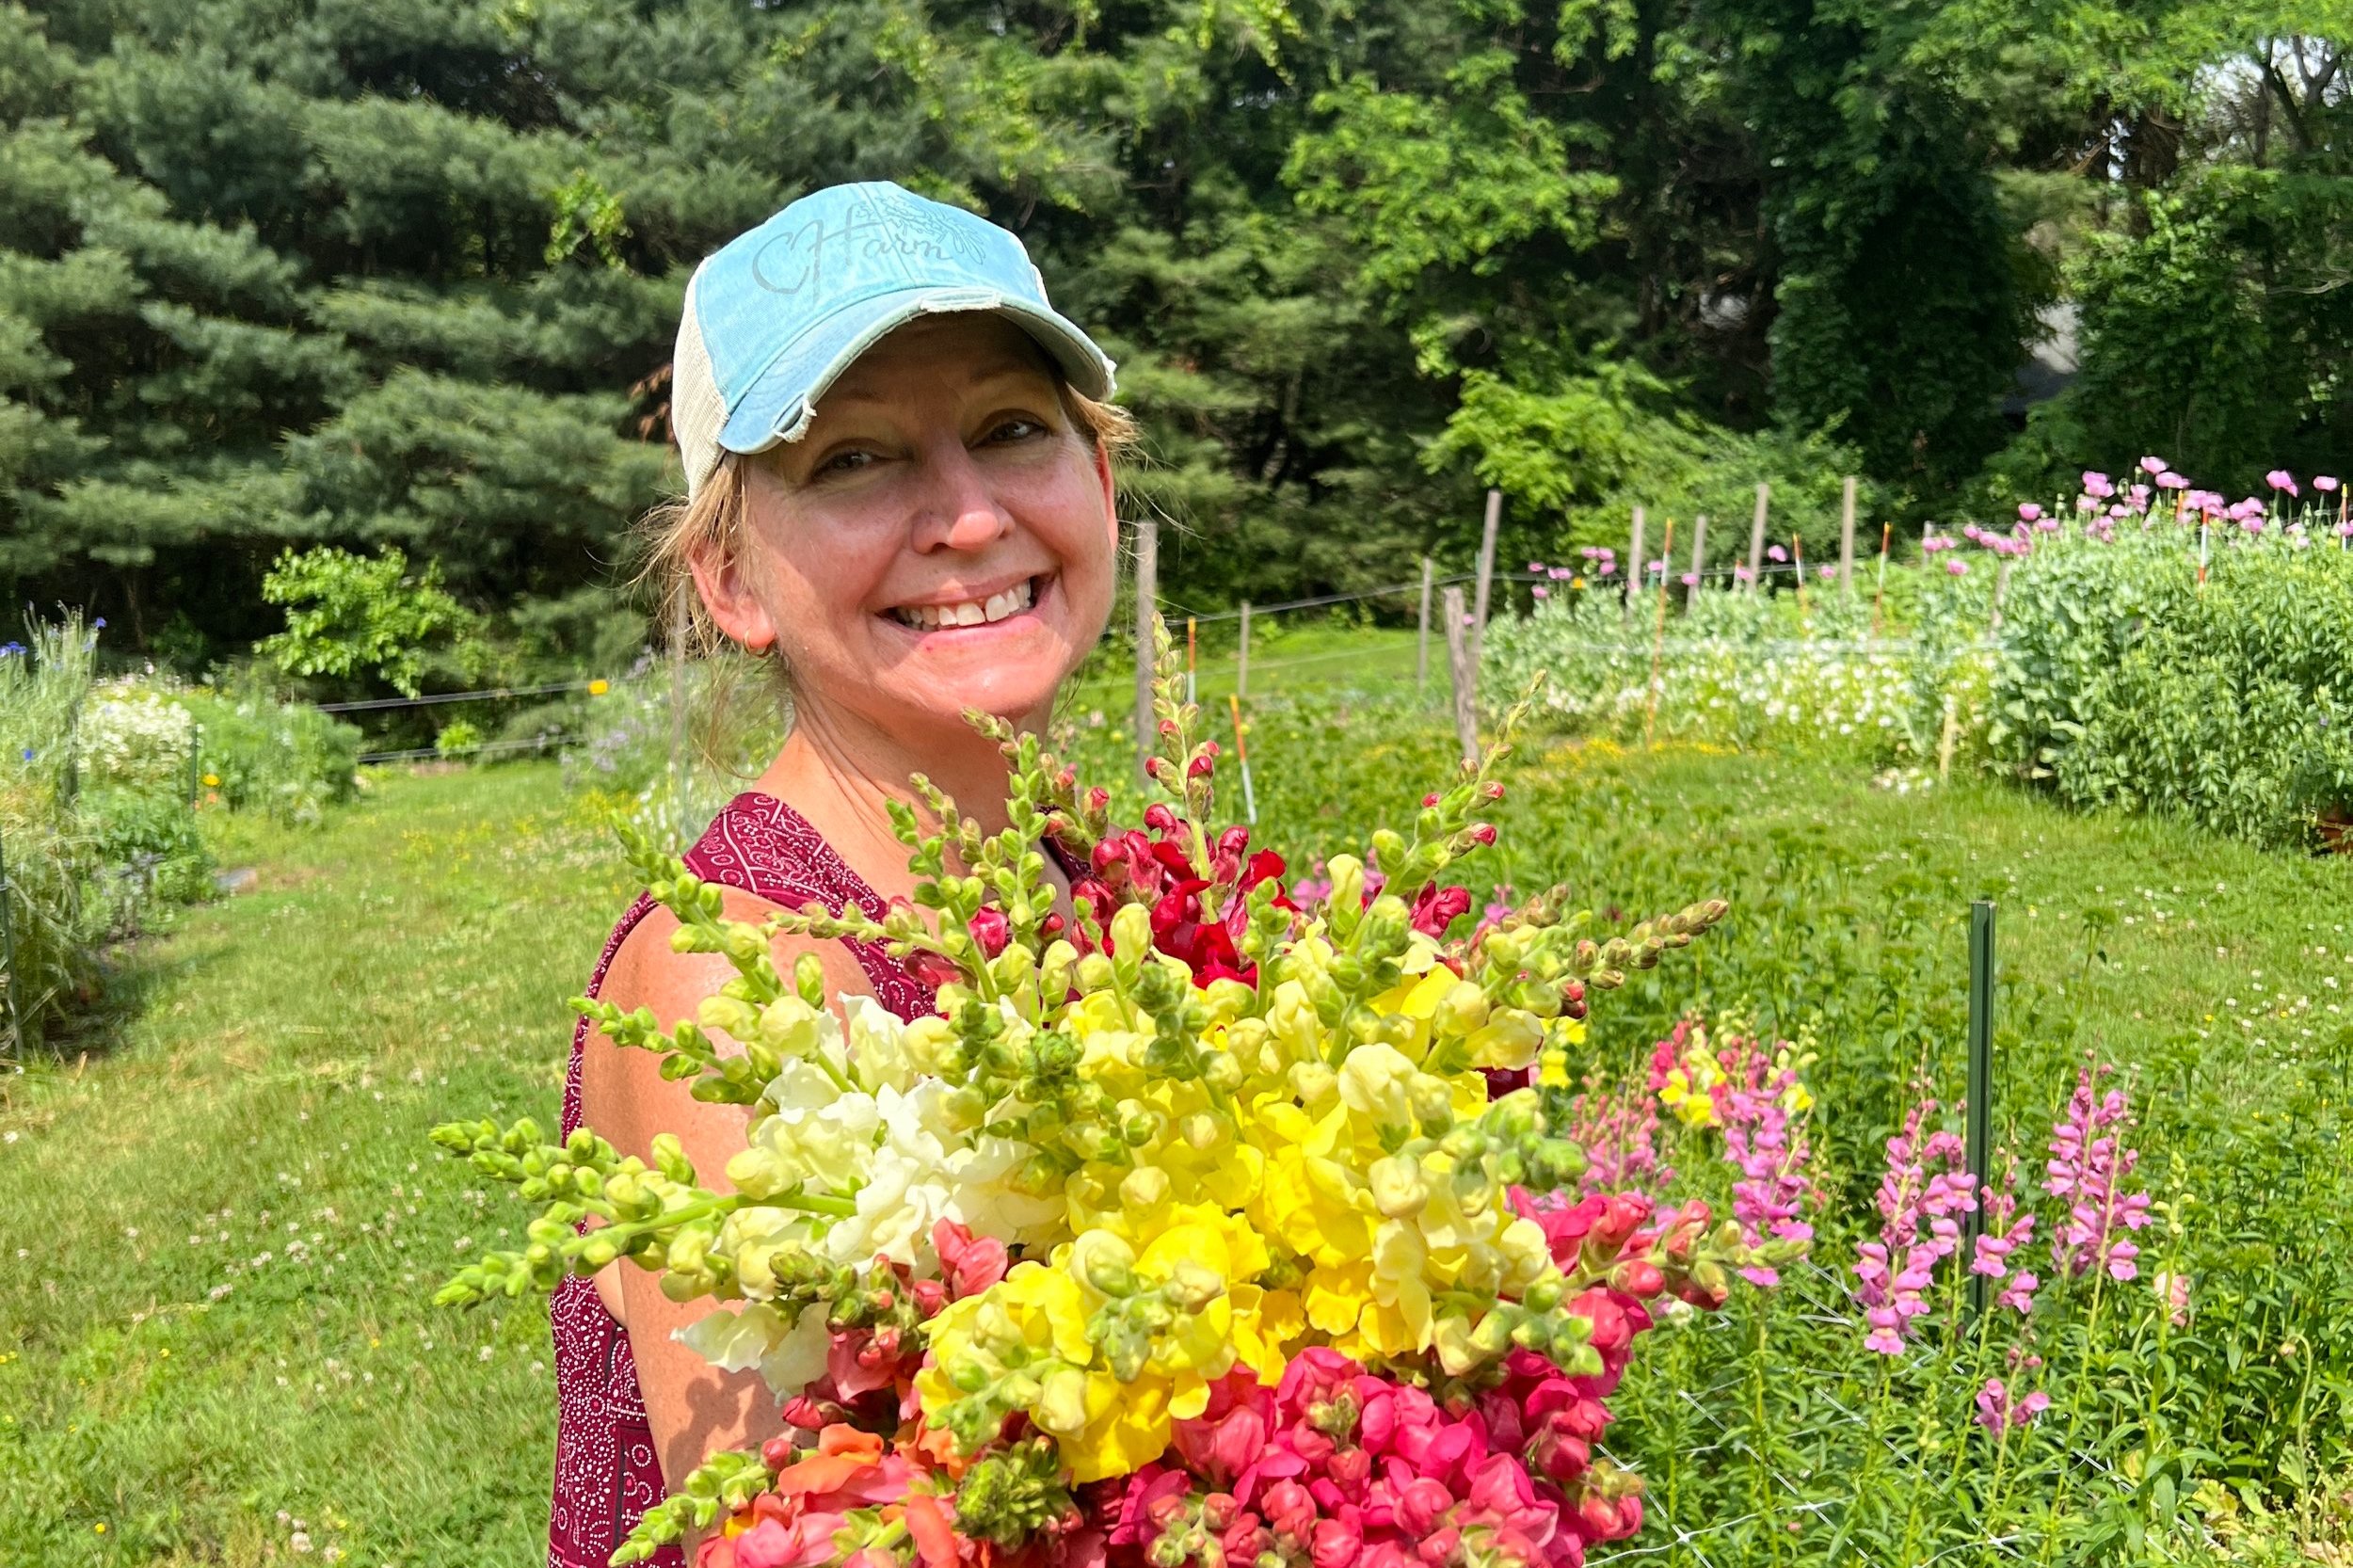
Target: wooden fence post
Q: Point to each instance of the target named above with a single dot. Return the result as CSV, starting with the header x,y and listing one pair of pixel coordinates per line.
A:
x,y
1486,573
1659,644
1241,657
1756,537
1466,674
1698,560
1635,573
1846,538
1148,596
1421,641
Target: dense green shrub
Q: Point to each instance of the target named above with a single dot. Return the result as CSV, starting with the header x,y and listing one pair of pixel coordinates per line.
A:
x,y
255,753
2123,682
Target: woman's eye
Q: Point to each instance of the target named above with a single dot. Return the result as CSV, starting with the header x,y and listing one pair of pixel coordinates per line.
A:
x,y
1015,430
845,462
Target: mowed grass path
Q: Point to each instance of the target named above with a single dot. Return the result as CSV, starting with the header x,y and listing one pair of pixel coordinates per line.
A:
x,y
221,1234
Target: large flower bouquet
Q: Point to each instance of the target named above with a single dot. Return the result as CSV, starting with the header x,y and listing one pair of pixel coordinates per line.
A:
x,y
1192,1225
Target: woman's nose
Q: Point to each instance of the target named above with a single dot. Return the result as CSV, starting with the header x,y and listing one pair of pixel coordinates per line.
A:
x,y
959,511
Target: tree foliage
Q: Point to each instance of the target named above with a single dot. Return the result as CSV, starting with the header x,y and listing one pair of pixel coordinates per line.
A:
x,y
399,276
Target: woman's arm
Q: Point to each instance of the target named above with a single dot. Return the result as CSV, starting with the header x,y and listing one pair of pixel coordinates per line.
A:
x,y
694,1409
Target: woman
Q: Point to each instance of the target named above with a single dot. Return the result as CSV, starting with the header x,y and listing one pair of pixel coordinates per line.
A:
x,y
900,488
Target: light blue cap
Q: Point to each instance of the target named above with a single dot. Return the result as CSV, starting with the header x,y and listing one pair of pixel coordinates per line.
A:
x,y
777,313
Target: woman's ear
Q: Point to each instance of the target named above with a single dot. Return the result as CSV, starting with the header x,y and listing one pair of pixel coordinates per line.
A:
x,y
1110,495
726,592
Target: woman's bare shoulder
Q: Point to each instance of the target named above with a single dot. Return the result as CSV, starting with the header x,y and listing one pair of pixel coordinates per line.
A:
x,y
648,971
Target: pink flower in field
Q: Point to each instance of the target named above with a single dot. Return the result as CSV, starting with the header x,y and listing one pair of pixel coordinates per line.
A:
x,y
2119,510
1541,591
1535,566
2139,496
1828,573
2085,504
2006,1229
2281,479
1998,1414
2087,1167
1742,574
1957,568
1774,552
1769,1151
2323,482
1562,574
1923,1183
1690,579
2154,465
2098,485
2028,511
2169,480
1618,1131
2173,1290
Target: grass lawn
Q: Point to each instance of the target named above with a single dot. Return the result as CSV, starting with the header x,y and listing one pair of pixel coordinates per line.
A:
x,y
223,1233
224,1228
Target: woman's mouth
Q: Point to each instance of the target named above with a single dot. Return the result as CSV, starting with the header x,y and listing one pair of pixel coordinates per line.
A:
x,y
1002,606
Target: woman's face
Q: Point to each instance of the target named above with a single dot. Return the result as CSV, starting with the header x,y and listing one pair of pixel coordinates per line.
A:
x,y
941,537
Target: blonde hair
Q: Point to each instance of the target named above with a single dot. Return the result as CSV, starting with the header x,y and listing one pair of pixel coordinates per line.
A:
x,y
710,524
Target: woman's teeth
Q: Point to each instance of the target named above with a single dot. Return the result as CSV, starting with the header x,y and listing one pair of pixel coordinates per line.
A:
x,y
973,612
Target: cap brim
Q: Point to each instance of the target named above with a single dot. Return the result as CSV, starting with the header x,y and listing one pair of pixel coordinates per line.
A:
x,y
783,399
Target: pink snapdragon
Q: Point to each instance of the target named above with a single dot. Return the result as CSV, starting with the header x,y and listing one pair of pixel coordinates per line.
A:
x,y
2008,1227
1768,1148
1998,1413
2088,1167
1618,1129
1923,1184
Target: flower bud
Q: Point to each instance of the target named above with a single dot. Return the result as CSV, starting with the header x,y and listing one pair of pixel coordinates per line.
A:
x,y
1106,1262
1399,1192
1144,1190
1347,898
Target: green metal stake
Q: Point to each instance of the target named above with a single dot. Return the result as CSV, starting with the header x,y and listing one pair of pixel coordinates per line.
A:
x,y
1981,1137
7,955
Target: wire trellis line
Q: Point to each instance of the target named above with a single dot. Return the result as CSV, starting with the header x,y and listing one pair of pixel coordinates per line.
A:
x,y
376,704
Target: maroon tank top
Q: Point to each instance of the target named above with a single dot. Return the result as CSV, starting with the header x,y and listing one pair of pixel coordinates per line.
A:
x,y
606,1475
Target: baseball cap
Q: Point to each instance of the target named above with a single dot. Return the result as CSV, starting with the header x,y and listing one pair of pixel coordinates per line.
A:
x,y
776,314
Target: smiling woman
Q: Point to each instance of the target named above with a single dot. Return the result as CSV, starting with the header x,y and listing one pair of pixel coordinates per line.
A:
x,y
900,488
